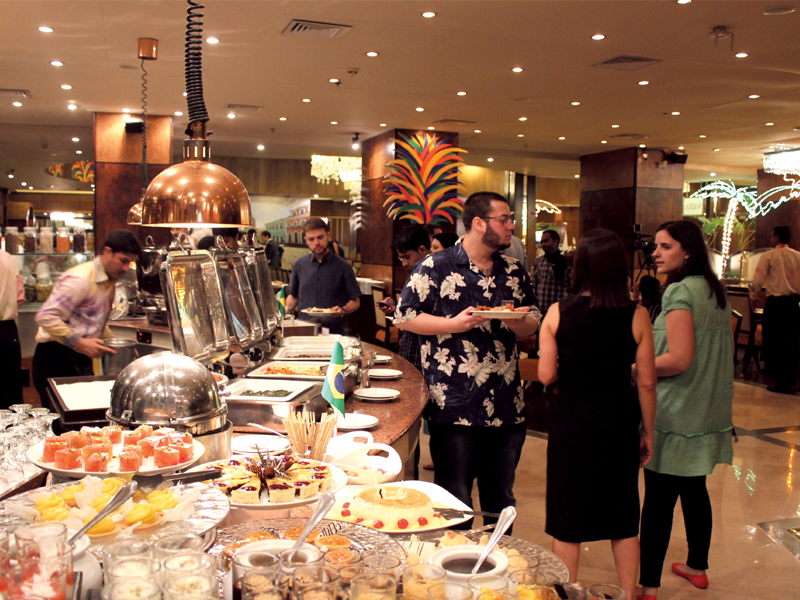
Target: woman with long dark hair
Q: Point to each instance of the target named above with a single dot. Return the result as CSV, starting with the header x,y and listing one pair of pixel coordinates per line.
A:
x,y
694,365
599,433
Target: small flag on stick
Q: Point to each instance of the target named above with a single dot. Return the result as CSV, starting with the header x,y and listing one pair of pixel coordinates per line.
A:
x,y
281,297
333,387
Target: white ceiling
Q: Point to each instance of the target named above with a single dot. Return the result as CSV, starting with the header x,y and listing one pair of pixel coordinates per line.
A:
x,y
469,46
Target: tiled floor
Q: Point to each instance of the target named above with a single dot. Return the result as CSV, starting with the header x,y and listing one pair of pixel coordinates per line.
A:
x,y
759,486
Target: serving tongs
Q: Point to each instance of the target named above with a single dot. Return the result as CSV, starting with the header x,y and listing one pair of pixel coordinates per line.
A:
x,y
194,476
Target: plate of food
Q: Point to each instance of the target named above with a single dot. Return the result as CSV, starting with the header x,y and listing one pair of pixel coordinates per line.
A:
x,y
404,507
254,486
317,352
355,421
321,311
506,311
110,450
193,507
312,371
251,444
266,390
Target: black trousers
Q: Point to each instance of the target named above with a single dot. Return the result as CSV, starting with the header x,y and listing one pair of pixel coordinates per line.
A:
x,y
10,365
51,359
489,454
661,492
781,327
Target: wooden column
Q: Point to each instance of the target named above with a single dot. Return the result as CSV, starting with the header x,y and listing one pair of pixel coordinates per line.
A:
x,y
118,181
787,213
633,185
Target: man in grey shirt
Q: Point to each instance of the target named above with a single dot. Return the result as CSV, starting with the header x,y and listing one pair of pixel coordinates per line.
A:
x,y
322,280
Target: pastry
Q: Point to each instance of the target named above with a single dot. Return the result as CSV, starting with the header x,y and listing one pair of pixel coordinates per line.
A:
x,y
248,493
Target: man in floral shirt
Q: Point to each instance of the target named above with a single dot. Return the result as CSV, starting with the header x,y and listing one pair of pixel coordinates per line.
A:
x,y
476,408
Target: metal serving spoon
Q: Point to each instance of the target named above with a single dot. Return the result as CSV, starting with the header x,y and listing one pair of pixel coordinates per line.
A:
x,y
121,497
507,516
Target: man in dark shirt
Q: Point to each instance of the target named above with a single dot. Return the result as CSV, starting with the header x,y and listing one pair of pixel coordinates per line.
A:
x,y
273,253
476,407
551,273
322,280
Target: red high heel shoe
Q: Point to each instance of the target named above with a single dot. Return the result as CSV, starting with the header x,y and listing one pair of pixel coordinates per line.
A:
x,y
698,581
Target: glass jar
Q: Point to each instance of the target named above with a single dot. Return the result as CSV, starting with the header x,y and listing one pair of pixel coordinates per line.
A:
x,y
62,240
78,239
45,240
43,288
89,241
12,240
29,240
29,284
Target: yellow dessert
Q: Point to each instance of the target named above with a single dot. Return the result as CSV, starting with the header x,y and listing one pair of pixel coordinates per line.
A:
x,y
112,485
68,493
99,502
162,499
141,513
55,513
105,526
51,501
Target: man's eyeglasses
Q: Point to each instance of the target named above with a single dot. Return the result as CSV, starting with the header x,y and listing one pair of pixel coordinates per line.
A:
x,y
503,220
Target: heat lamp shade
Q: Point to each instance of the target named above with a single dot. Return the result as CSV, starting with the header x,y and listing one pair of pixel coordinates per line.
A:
x,y
135,214
196,193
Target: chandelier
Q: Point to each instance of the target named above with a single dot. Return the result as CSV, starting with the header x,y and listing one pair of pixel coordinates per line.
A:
x,y
783,162
346,169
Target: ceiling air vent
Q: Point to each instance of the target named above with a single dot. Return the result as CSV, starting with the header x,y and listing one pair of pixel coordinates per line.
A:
x,y
314,29
629,136
241,109
14,93
627,63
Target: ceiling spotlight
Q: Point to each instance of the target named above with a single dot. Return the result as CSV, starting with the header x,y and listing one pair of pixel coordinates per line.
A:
x,y
769,124
754,96
517,69
615,127
30,187
16,103
430,127
334,122
126,110
78,151
306,100
577,176
419,109
382,125
260,147
372,54
333,80
675,113
523,118
576,104
185,94
741,55
212,40
520,135
66,87
45,29
713,174
603,141
598,36
71,106
178,113
477,131
562,138
75,139
461,93
56,63
429,14
282,119
680,147
702,136
490,159
10,174
717,149
642,146
356,145
23,184
684,1
231,115
644,83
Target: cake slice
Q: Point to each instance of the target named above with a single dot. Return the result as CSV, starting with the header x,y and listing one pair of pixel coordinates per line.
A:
x,y
305,488
280,492
248,493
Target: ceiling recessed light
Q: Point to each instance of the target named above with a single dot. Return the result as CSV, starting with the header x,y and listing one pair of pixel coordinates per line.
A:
x,y
260,147
702,136
178,113
603,142
78,151
334,122
419,109
520,135
598,36
773,11
461,93
75,139
126,110
713,174
675,113
431,127
741,55
56,63
316,195
754,96
30,187
333,80
23,184
769,124
517,69
282,119
562,138
231,115
45,29
372,54
16,103
185,94
429,14
477,131
490,159
382,125
212,40
717,149
71,106
680,147
577,176
642,145
11,176
523,118
66,87
615,127
684,1
644,82
306,100
576,104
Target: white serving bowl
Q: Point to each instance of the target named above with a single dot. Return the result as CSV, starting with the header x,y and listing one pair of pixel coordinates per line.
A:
x,y
444,556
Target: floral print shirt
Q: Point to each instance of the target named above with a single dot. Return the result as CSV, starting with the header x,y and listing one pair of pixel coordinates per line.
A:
x,y
472,377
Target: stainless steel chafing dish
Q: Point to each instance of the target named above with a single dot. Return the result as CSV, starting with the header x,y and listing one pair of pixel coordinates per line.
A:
x,y
148,278
257,267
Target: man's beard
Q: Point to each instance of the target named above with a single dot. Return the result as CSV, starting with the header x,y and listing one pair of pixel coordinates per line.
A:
x,y
491,240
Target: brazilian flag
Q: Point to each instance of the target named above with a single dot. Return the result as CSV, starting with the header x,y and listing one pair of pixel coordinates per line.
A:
x,y
333,387
282,301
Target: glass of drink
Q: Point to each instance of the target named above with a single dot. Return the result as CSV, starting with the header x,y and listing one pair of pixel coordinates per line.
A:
x,y
191,562
384,563
417,579
191,587
172,545
374,586
266,564
134,567
125,549
307,577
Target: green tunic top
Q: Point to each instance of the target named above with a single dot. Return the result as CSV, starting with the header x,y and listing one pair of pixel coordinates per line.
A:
x,y
694,417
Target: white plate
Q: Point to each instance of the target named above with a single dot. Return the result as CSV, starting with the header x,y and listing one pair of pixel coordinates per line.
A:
x,y
500,314
376,394
354,421
260,371
382,359
235,389
438,495
313,310
246,444
339,481
385,373
34,455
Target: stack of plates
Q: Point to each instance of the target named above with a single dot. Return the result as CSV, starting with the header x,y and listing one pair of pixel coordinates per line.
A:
x,y
382,359
376,394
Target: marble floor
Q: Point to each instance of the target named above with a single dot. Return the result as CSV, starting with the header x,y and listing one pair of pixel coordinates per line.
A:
x,y
759,486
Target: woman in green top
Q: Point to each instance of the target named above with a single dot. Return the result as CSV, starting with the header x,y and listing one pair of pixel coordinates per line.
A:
x,y
694,364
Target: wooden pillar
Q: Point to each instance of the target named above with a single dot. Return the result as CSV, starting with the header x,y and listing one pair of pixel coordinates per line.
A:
x,y
374,240
633,185
787,213
118,180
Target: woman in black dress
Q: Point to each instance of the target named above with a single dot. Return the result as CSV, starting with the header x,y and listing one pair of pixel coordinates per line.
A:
x,y
599,433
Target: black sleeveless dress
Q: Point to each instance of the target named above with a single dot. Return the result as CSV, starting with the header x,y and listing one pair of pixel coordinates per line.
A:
x,y
593,449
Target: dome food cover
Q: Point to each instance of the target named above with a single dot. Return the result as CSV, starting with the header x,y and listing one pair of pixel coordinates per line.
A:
x,y
167,390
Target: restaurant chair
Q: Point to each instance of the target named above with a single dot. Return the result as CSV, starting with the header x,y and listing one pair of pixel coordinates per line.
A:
x,y
736,327
386,334
749,336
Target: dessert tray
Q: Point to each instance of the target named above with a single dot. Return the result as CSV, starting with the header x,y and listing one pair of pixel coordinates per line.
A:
x,y
309,371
